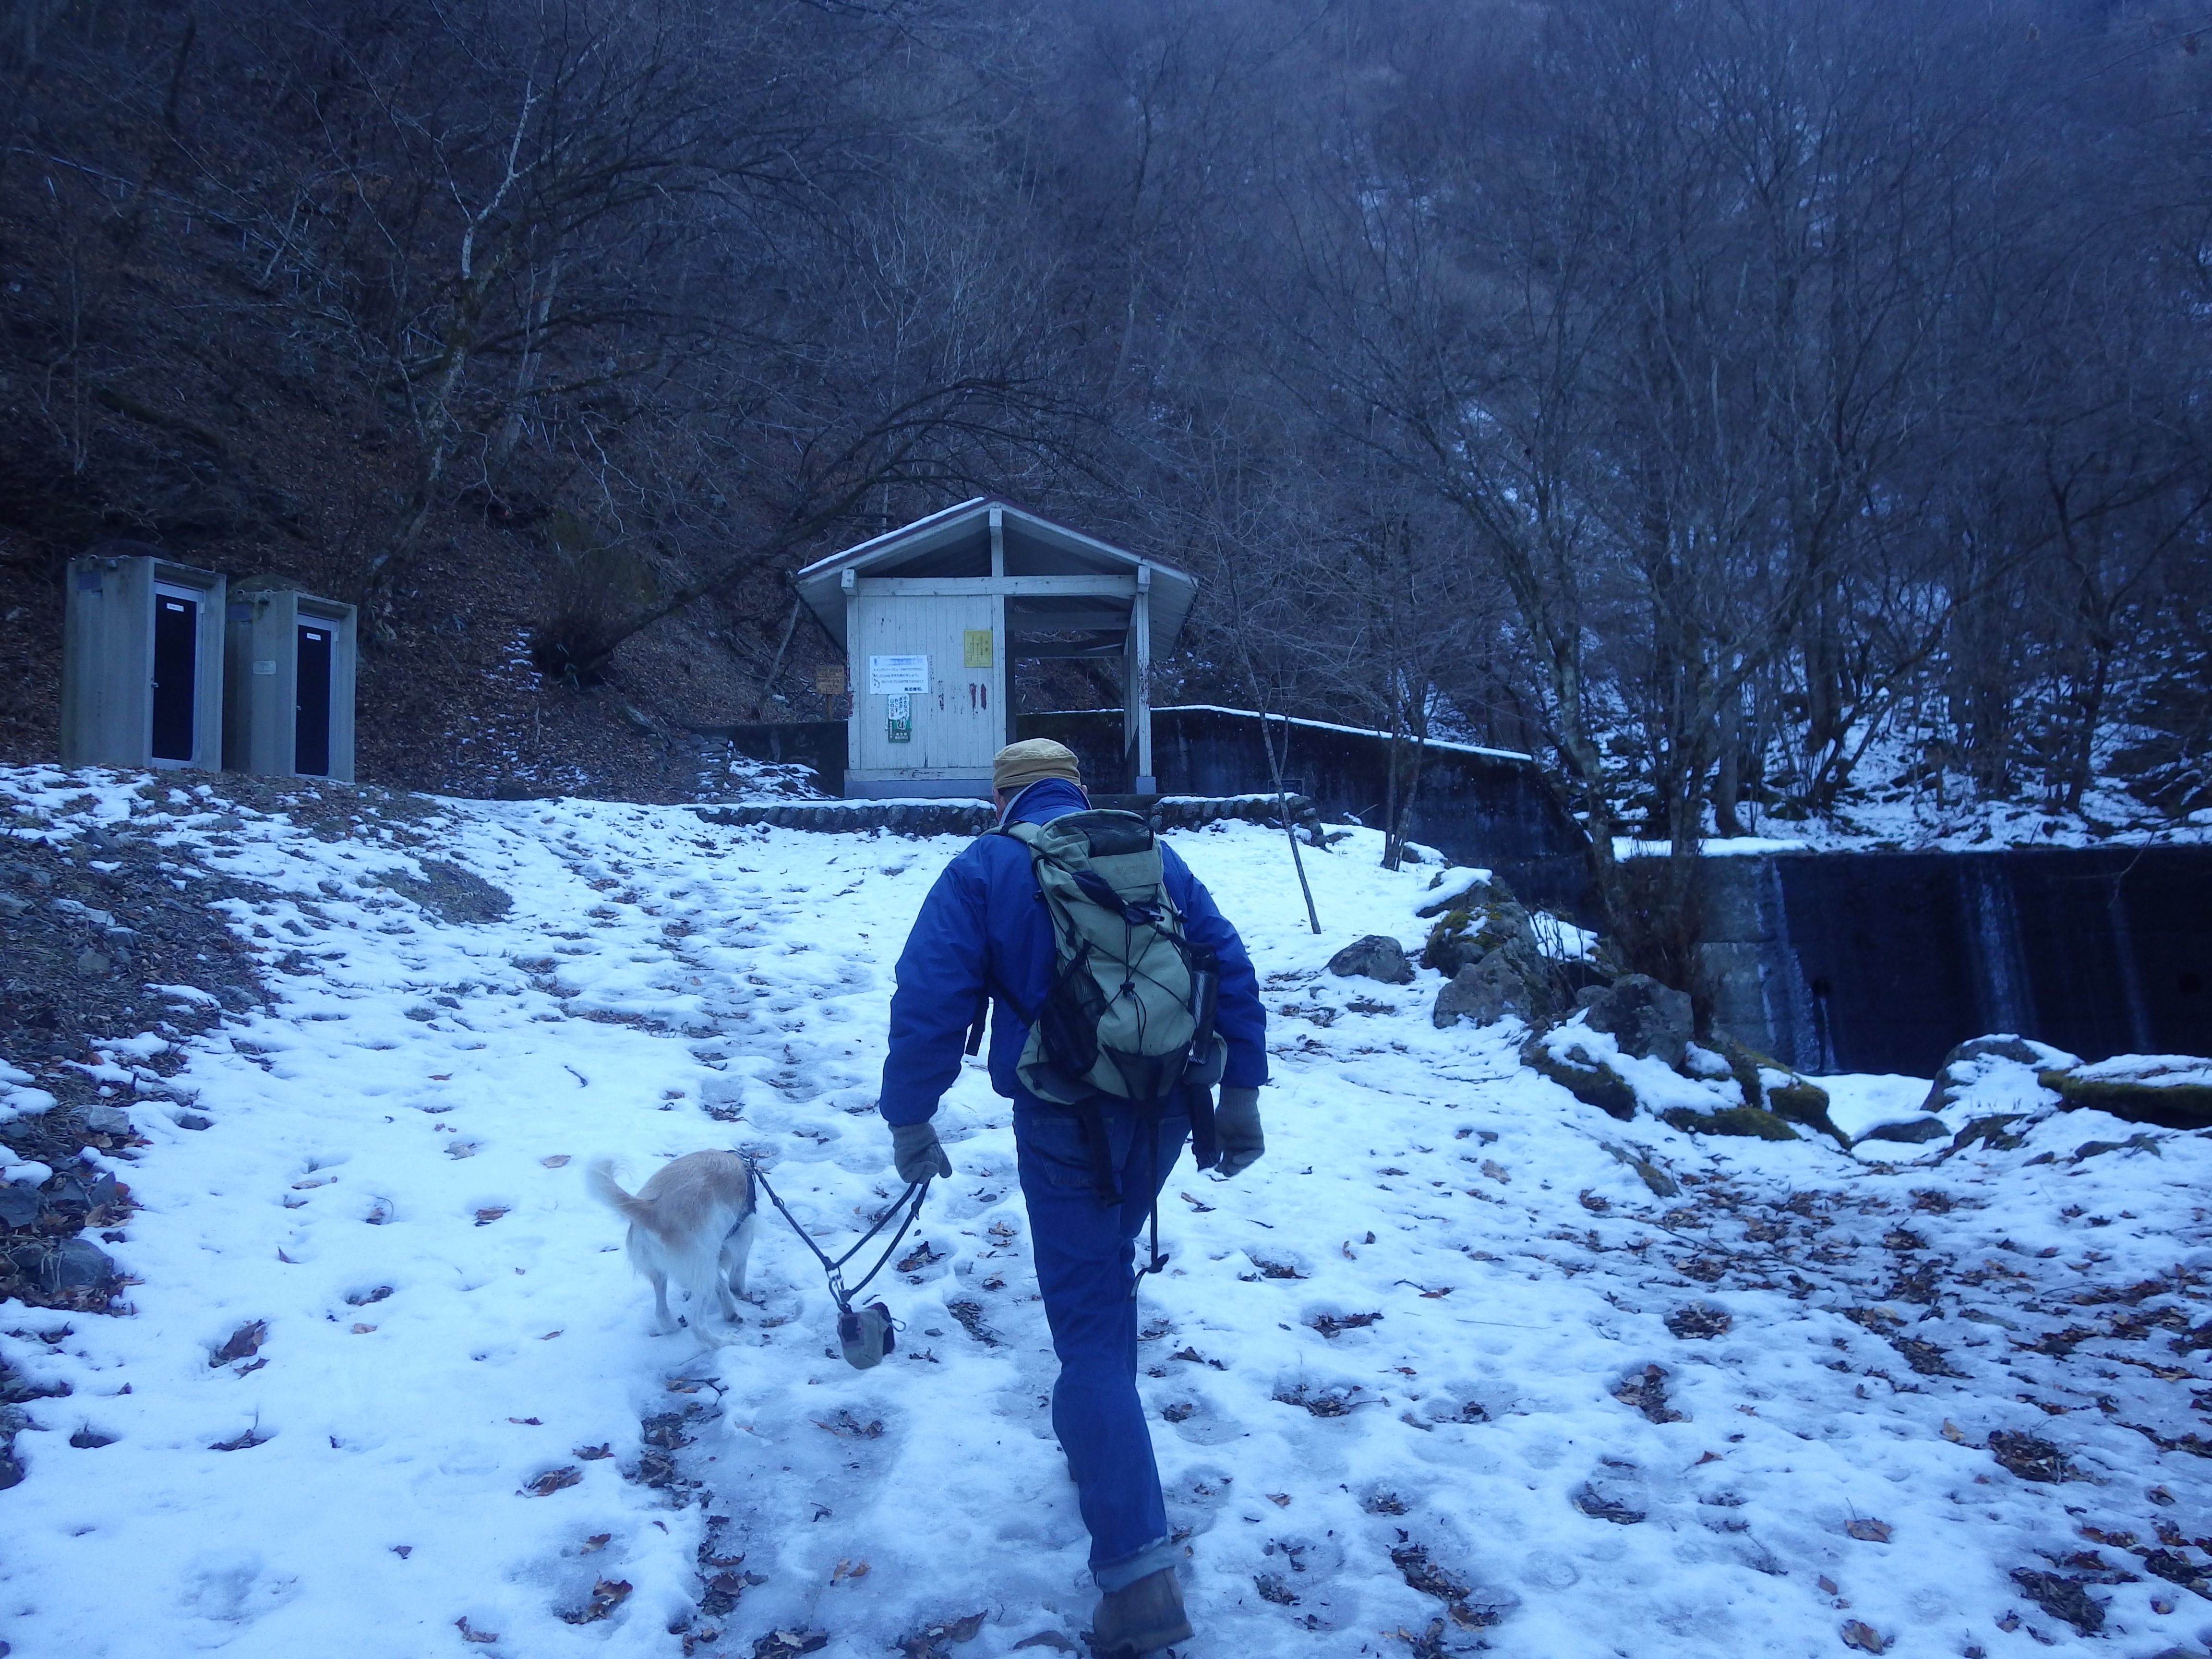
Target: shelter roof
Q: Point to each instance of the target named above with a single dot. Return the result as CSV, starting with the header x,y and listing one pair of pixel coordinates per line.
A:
x,y
957,543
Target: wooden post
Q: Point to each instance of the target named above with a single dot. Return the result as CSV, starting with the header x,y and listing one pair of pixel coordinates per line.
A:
x,y
1140,674
1004,642
854,679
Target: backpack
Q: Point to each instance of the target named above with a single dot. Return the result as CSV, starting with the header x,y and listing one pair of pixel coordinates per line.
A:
x,y
1130,1011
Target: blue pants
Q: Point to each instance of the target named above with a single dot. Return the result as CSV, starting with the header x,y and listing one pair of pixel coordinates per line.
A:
x,y
1086,1252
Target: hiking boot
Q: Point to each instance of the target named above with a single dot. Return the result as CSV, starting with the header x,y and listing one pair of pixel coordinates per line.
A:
x,y
1139,1617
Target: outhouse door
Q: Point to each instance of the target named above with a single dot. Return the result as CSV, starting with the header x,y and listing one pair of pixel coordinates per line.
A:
x,y
176,674
928,678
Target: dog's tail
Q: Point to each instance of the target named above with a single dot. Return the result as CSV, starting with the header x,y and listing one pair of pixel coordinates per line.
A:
x,y
599,1178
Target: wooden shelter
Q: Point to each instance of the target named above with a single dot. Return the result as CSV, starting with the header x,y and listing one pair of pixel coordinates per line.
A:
x,y
933,616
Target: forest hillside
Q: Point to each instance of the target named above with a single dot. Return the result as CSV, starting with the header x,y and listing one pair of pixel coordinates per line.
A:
x,y
1768,414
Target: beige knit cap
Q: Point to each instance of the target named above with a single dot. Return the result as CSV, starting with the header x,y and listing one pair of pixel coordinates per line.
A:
x,y
1021,764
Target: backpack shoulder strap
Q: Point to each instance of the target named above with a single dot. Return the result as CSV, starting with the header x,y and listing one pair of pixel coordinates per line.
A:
x,y
991,987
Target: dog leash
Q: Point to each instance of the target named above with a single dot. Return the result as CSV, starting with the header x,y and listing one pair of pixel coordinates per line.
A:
x,y
909,1200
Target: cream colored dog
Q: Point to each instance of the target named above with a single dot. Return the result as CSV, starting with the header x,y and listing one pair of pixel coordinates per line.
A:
x,y
692,1222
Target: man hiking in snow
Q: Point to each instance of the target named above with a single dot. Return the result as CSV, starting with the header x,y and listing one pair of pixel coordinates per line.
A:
x,y
1057,920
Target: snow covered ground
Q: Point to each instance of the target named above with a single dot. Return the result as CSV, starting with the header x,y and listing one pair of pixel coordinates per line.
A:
x,y
1447,1371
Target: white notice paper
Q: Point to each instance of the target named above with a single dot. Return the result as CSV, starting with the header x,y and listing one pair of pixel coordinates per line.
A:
x,y
890,676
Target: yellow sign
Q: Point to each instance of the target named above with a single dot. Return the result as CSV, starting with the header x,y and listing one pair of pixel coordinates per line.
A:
x,y
976,651
830,679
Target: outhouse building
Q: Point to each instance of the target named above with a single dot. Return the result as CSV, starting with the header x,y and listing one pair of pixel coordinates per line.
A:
x,y
934,616
142,661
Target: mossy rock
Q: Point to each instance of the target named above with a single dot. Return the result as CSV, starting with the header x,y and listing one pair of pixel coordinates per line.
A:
x,y
1798,1101
1744,1065
2169,1106
1489,892
1993,1132
1592,1082
1662,1184
1748,1120
1471,932
1511,981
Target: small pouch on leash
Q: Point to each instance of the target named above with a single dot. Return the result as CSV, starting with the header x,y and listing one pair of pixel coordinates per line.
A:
x,y
866,1335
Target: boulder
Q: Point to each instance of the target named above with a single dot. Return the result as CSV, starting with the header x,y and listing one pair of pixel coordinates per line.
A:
x,y
1778,1090
1800,1100
1590,1081
1468,933
76,1192
19,1204
2003,1045
1377,956
68,1264
102,1119
1645,1018
2173,1091
1511,981
1959,1067
1662,1184
1730,1120
1478,890
1993,1132
1926,1127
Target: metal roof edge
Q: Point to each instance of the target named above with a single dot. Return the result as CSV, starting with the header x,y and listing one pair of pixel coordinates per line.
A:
x,y
830,560
875,545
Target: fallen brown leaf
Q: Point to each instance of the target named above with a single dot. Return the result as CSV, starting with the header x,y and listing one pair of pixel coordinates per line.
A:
x,y
245,1342
1868,1531
1864,1636
592,1454
555,1161
606,1596
553,1481
491,1213
1280,1499
594,1543
784,1644
461,1624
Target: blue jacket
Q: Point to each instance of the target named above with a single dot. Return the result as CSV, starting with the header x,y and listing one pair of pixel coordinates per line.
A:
x,y
984,917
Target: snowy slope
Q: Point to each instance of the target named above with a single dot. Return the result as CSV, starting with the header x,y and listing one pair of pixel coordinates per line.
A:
x,y
1403,1370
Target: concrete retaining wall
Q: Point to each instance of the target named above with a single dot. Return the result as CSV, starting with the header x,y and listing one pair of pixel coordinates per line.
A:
x,y
958,817
1881,962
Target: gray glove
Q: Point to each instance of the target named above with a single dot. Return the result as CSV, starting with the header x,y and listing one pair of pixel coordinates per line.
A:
x,y
1236,1131
916,1155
